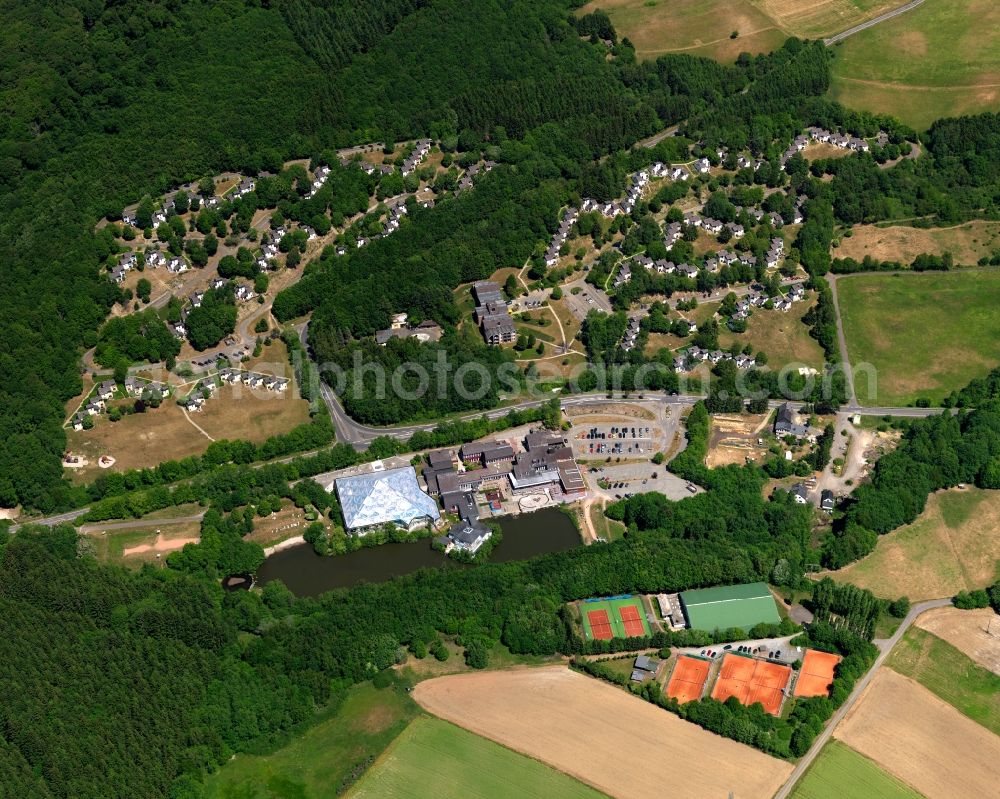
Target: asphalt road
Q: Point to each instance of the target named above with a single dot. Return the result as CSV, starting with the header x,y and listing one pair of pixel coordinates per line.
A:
x,y
872,22
359,435
821,739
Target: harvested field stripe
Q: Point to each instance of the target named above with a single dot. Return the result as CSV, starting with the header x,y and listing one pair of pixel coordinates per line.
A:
x,y
434,758
921,740
951,675
841,773
600,734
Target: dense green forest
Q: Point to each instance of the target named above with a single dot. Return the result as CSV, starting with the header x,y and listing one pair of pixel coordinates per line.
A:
x,y
119,684
105,103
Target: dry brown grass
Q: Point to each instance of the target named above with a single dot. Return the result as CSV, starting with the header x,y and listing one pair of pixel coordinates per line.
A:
x,y
967,630
701,27
287,523
921,740
816,151
951,547
165,433
599,734
814,18
967,243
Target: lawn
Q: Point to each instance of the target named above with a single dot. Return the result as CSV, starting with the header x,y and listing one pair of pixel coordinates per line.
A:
x,y
841,773
433,759
940,59
951,674
967,243
314,764
951,547
783,336
924,335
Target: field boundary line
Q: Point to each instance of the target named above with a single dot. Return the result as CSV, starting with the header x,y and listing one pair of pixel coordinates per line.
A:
x,y
904,86
714,41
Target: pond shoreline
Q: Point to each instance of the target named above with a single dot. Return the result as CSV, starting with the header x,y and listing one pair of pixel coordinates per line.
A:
x,y
308,574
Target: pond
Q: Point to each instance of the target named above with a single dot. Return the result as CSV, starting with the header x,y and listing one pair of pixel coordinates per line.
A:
x,y
308,574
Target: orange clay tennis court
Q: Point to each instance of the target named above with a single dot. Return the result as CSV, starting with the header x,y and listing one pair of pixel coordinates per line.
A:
x,y
752,681
816,673
600,624
688,680
630,618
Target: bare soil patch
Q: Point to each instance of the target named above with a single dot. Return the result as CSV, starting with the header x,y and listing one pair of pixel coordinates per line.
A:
x,y
967,630
733,439
599,734
921,740
160,544
967,243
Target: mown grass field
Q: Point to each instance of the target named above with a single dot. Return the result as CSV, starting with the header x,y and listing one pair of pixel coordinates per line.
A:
x,y
951,675
925,334
314,764
951,547
940,59
434,759
841,773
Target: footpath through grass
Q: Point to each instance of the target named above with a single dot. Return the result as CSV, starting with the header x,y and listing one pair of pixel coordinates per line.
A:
x,y
949,673
315,764
841,773
925,334
433,759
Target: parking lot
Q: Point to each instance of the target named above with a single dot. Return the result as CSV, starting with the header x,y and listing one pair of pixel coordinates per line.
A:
x,y
629,439
626,479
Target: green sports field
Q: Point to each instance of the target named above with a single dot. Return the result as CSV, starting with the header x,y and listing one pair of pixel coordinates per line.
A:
x,y
726,606
434,759
925,334
841,773
612,606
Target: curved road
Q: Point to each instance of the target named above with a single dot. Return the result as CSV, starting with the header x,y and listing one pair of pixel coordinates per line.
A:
x,y
865,25
886,647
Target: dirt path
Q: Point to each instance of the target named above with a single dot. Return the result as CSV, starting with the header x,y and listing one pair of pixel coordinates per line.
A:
x,y
195,425
700,44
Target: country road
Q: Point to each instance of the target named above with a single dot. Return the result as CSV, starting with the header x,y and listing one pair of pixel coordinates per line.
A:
x,y
859,688
872,22
852,395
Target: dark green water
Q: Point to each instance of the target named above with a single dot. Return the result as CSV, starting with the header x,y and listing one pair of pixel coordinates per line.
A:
x,y
308,574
